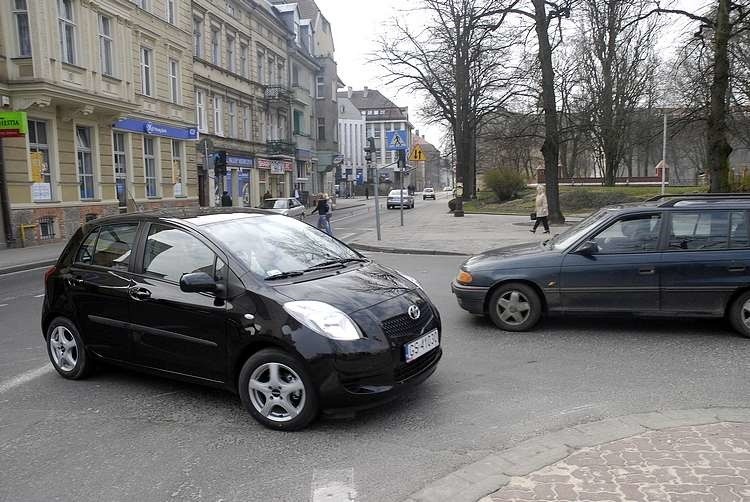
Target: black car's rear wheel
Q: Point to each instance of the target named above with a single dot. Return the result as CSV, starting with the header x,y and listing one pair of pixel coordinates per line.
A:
x,y
66,350
515,307
739,314
277,390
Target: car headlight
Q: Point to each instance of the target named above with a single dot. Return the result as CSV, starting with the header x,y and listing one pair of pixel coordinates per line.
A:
x,y
412,279
324,319
464,277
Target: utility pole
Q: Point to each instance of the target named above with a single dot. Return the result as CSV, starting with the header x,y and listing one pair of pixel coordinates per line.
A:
x,y
369,151
664,156
401,166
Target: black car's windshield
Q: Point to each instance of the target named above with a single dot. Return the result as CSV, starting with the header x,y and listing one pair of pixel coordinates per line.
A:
x,y
276,246
562,241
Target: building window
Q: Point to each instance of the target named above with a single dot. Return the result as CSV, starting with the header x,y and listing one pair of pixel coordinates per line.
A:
x,y
268,127
243,60
149,164
171,12
38,142
320,86
218,117
23,36
261,58
295,76
143,4
230,53
85,162
301,169
280,75
321,128
179,175
67,28
298,119
269,77
146,72
246,123
215,54
200,111
232,132
105,45
47,227
174,80
121,167
198,37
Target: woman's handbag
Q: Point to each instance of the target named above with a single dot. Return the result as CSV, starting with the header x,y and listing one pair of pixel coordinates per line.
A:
x,y
533,216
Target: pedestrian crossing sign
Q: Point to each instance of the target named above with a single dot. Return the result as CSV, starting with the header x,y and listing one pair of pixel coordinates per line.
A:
x,y
396,140
417,154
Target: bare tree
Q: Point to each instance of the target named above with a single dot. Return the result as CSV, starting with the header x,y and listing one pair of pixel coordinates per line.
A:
x,y
460,62
721,22
617,66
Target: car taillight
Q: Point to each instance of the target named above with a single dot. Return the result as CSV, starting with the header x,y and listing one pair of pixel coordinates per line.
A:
x,y
49,272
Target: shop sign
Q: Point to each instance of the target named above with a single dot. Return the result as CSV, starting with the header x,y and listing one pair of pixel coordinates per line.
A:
x,y
155,129
13,124
275,166
237,161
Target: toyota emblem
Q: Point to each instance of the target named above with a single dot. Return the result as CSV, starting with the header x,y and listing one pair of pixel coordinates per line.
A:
x,y
414,312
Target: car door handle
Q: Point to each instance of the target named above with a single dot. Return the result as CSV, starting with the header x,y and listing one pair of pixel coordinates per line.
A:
x,y
647,270
139,293
75,282
737,268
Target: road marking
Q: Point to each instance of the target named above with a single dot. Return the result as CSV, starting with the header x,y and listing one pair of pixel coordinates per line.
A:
x,y
333,485
24,378
577,408
3,304
3,275
39,296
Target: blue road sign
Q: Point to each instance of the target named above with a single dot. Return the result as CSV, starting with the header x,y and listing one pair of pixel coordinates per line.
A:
x,y
396,140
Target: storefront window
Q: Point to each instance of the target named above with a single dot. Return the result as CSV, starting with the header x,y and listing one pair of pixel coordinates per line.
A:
x,y
149,164
121,167
40,163
85,162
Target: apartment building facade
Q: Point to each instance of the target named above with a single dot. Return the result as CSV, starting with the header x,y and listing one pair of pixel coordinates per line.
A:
x,y
108,90
352,142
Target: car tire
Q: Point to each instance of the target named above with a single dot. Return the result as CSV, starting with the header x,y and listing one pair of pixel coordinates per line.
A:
x,y
66,350
289,370
739,314
515,307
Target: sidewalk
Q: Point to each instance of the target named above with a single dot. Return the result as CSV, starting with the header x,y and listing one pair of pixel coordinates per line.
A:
x,y
698,455
439,232
15,259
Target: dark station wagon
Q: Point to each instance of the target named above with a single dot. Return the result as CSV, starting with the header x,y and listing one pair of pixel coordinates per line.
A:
x,y
269,307
673,256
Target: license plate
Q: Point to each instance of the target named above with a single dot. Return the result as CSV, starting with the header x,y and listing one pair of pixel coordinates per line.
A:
x,y
421,346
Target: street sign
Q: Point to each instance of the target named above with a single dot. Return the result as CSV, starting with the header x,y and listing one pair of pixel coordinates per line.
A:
x,y
417,154
13,124
396,140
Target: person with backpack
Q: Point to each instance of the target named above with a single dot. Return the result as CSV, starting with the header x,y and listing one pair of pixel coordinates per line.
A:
x,y
323,209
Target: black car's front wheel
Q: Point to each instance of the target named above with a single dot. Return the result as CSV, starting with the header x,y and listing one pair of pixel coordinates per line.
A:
x,y
739,314
66,350
277,390
515,307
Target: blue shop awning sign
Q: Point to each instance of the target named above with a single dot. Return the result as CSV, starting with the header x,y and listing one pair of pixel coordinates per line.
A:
x,y
237,161
156,129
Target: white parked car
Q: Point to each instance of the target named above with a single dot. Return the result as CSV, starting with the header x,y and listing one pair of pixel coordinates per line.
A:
x,y
428,193
447,189
287,207
398,198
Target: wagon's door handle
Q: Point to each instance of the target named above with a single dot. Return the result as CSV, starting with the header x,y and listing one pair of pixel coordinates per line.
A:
x,y
737,268
140,293
647,270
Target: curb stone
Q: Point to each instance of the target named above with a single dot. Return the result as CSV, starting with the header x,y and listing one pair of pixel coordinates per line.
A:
x,y
27,266
474,482
379,249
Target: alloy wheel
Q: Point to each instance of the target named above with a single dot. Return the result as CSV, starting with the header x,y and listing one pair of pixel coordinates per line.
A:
x,y
277,392
513,308
63,348
745,313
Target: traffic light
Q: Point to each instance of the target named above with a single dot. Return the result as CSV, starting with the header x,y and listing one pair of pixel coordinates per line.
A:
x,y
370,149
220,163
402,160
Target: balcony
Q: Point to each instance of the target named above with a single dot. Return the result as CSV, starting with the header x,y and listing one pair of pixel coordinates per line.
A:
x,y
277,93
280,147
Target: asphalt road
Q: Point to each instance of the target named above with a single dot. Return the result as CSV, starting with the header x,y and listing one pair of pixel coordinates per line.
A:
x,y
126,436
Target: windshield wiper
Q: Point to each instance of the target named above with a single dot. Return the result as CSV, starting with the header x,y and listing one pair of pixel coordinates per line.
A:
x,y
338,261
284,275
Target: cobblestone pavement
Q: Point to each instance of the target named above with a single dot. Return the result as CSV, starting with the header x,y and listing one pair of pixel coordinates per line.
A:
x,y
703,463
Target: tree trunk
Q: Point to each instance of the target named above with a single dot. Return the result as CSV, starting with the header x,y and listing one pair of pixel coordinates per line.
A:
x,y
551,145
717,161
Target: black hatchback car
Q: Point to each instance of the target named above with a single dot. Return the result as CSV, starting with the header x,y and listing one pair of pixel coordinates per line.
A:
x,y
686,256
263,305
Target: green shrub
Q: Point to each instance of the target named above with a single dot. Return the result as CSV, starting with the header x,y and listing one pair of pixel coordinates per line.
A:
x,y
740,182
581,198
505,183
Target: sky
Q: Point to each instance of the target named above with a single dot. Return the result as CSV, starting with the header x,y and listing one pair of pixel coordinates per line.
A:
x,y
357,24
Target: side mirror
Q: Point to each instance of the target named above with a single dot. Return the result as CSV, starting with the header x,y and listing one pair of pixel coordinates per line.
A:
x,y
198,282
588,248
